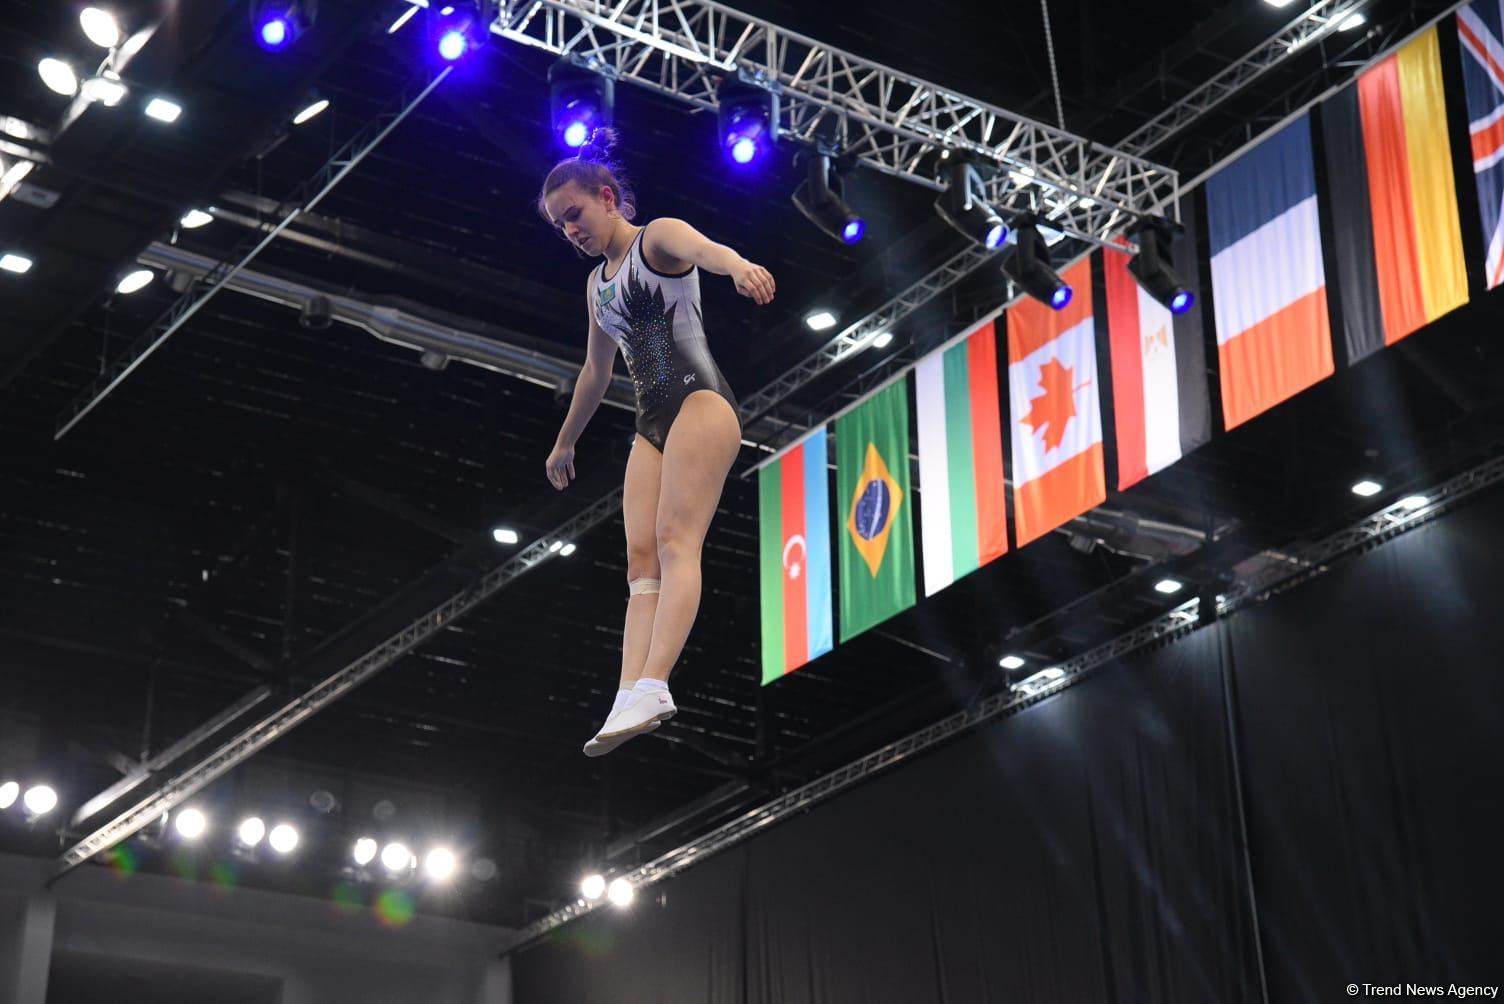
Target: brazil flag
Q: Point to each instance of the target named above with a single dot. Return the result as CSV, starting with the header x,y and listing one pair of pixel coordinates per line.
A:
x,y
877,535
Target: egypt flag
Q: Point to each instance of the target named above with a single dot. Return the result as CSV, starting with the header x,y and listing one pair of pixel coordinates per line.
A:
x,y
1480,26
1274,338
1161,407
876,531
962,525
793,496
1398,242
1055,411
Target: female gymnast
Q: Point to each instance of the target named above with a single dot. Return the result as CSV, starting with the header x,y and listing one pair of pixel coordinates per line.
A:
x,y
644,298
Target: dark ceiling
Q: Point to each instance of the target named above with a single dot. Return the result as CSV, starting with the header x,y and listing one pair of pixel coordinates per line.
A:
x,y
262,502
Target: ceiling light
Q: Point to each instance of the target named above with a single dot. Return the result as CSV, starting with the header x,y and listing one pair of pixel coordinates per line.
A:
x,y
1168,586
19,264
39,800
9,792
163,110
365,848
283,838
396,857
439,863
1011,662
555,547
136,281
251,830
504,535
59,76
190,824
101,27
402,19
566,550
593,887
195,218
106,90
313,108
619,892
882,339
1410,503
1366,488
1279,3
1354,20
820,320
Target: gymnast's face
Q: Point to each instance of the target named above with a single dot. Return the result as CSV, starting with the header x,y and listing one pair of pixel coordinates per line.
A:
x,y
581,218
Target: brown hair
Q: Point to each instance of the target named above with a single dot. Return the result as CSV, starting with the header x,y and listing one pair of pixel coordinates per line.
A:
x,y
592,168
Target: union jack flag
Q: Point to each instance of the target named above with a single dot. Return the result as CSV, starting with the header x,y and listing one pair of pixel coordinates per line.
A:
x,y
1480,26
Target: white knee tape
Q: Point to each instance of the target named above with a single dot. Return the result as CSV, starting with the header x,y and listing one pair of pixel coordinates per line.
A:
x,y
638,586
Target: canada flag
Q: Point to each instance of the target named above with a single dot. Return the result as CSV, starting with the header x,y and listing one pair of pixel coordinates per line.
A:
x,y
1054,403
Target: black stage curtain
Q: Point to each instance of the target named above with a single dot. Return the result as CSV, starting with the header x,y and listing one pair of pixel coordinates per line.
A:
x,y
1091,849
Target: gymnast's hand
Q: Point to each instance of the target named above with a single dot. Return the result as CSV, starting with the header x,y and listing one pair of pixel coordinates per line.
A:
x,y
559,467
754,281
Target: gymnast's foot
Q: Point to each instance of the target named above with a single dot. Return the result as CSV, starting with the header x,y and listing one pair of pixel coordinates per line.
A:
x,y
649,706
600,745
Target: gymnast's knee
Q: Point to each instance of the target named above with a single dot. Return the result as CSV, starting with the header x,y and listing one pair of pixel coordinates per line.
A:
x,y
642,585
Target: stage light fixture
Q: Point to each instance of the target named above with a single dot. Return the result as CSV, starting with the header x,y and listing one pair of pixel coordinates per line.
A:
x,y
439,864
279,23
746,120
314,107
580,100
567,550
1410,503
882,339
396,857
251,830
283,838
101,27
107,89
59,76
1153,265
457,30
17,263
964,206
819,199
504,535
619,892
593,887
1168,586
1356,19
820,320
364,851
163,110
9,792
1367,488
195,218
1011,662
1029,265
39,800
135,281
190,824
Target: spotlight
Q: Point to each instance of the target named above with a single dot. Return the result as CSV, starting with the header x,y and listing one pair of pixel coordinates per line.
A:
x,y
396,857
567,550
1028,264
195,218
283,838
1409,503
365,851
58,76
9,792
101,27
1038,681
820,320
580,100
1153,267
1356,19
457,30
315,106
1168,586
819,199
619,892
593,887
439,864
504,535
251,830
163,110
1366,488
1011,662
963,205
746,120
136,281
882,339
555,547
17,263
190,824
39,800
278,23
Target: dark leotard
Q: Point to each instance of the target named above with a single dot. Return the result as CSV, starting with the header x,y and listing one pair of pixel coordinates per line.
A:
x,y
656,321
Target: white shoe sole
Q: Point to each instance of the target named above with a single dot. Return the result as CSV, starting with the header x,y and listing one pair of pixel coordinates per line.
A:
x,y
600,746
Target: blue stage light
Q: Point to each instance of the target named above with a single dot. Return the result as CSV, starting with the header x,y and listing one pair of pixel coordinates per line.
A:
x,y
1182,302
580,100
743,149
746,118
1061,297
575,134
853,231
278,23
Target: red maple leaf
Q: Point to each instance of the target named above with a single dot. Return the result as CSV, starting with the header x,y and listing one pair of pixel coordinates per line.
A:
x,y
1053,409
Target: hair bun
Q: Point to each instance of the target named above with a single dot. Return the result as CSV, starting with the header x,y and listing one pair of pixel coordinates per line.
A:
x,y
597,148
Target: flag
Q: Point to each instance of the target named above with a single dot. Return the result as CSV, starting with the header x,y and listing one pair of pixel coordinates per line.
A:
x,y
793,500
877,537
1480,26
1274,338
1057,417
1162,409
962,523
1397,238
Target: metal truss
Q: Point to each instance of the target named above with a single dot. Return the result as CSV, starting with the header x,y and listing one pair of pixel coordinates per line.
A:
x,y
1173,624
1320,20
887,120
307,195
233,751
